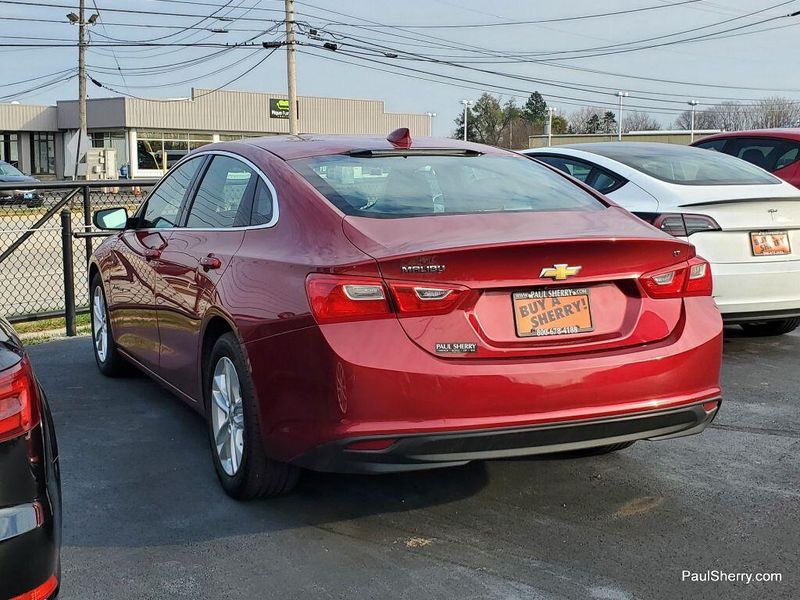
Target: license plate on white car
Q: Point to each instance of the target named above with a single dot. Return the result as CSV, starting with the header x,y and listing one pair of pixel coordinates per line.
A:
x,y
770,243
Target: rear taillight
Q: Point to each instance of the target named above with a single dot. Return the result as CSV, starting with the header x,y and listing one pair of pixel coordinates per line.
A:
x,y
336,298
420,299
19,404
689,278
42,592
679,224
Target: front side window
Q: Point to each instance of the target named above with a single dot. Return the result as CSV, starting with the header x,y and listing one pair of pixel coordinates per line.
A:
x,y
43,153
419,184
222,198
9,170
163,205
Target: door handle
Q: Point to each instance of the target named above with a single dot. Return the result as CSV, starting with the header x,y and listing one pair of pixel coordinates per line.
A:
x,y
210,262
152,254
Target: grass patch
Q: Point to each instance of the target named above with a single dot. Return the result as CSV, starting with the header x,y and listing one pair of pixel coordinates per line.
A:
x,y
24,327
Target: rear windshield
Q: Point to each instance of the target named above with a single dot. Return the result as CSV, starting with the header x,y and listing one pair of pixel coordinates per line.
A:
x,y
688,166
418,185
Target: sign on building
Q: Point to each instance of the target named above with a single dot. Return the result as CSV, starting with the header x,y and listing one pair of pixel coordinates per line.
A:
x,y
279,108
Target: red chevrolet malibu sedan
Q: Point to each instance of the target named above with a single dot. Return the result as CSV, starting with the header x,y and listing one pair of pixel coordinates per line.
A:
x,y
360,304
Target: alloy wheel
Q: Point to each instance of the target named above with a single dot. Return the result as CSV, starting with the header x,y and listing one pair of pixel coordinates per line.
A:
x,y
227,416
99,324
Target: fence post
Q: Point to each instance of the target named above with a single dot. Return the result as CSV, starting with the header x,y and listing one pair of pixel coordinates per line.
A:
x,y
69,271
87,219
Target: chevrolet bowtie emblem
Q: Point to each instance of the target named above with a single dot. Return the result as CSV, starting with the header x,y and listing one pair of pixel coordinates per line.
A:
x,y
559,272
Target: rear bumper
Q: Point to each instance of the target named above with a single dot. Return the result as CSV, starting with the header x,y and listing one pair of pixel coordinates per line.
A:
x,y
757,290
367,380
426,451
29,548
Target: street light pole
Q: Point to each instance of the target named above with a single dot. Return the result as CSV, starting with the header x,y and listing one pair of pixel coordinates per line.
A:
x,y
291,67
619,120
430,122
81,21
550,111
466,104
692,103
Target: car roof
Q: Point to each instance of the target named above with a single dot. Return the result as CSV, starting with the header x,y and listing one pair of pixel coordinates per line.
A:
x,y
624,149
289,147
791,133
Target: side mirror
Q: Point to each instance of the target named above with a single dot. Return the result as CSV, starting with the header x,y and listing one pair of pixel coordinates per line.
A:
x,y
111,218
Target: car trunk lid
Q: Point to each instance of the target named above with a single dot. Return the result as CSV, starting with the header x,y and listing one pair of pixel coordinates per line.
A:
x,y
488,258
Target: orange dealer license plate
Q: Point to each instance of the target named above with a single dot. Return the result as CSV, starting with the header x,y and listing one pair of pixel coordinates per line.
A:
x,y
770,243
545,312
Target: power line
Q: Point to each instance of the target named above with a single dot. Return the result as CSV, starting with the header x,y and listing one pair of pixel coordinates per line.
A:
x,y
540,21
132,10
207,93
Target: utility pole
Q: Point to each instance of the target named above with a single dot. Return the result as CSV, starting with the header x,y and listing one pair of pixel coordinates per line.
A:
x,y
291,67
466,104
82,128
692,103
619,120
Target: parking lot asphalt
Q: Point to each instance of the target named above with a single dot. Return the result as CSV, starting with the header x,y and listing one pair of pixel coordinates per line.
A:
x,y
145,518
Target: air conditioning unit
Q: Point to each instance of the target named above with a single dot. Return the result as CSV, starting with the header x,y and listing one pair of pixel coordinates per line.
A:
x,y
101,163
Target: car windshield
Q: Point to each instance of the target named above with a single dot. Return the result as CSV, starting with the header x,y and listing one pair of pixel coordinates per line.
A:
x,y
404,184
683,165
8,170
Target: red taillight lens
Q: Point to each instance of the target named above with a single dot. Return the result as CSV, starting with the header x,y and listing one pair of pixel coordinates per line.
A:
x,y
42,592
698,279
335,299
19,405
690,278
420,299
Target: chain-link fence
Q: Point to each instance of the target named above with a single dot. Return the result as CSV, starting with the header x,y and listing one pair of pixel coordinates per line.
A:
x,y
33,220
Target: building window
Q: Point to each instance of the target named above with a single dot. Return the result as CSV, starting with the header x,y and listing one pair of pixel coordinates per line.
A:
x,y
9,148
43,153
159,150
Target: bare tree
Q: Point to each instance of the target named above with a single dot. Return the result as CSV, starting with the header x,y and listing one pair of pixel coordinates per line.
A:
x,y
639,121
775,111
585,120
703,119
730,116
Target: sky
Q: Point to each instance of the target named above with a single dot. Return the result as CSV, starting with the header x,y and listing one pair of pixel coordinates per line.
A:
x,y
572,61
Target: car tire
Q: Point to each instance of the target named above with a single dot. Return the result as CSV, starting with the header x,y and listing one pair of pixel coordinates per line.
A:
x,y
106,355
232,415
778,327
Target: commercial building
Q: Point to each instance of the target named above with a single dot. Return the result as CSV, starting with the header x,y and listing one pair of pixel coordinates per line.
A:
x,y
148,136
663,136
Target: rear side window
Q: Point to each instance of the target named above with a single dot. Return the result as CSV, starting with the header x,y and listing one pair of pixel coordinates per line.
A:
x,y
597,177
398,185
262,205
717,145
222,197
769,154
